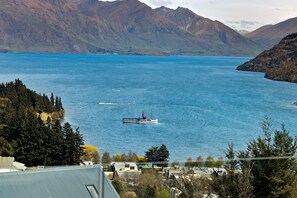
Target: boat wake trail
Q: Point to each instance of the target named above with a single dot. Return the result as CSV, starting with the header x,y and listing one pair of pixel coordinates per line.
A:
x,y
115,103
106,103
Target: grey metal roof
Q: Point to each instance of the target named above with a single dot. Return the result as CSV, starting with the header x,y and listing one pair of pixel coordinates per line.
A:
x,y
62,182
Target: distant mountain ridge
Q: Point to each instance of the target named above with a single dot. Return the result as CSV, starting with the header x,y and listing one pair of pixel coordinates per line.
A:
x,y
270,35
278,63
125,27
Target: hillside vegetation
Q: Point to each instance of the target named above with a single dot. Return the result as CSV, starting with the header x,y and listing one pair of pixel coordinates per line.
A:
x,y
278,63
31,140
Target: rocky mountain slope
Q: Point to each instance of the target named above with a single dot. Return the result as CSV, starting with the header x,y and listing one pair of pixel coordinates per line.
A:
x,y
278,63
211,35
126,27
270,35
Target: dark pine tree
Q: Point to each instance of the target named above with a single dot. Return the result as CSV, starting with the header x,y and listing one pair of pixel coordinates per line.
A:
x,y
72,145
55,144
152,155
30,149
163,156
60,104
274,175
52,100
32,141
57,104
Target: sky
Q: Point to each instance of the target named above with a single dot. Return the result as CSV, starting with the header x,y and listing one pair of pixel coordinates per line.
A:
x,y
237,14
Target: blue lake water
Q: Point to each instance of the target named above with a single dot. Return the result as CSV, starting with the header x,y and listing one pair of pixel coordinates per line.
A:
x,y
202,103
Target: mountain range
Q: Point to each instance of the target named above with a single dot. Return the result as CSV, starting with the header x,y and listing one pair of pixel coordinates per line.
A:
x,y
123,27
278,63
269,35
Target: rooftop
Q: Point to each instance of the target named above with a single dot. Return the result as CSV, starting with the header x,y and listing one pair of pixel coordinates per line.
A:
x,y
59,182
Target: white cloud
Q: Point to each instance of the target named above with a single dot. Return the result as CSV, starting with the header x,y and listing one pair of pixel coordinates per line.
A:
x,y
263,12
243,25
161,2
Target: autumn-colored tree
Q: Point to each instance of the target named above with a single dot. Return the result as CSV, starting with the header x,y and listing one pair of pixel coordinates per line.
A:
x,y
106,159
91,153
118,157
132,157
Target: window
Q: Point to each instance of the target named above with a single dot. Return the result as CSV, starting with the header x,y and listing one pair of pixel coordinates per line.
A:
x,y
92,190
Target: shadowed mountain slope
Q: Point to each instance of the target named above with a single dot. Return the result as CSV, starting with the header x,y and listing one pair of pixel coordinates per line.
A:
x,y
278,63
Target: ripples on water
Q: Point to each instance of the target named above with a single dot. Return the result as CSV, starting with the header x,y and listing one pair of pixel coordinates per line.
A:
x,y
202,103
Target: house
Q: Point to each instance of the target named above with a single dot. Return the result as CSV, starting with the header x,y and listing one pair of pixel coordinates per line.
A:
x,y
59,182
7,164
124,166
127,171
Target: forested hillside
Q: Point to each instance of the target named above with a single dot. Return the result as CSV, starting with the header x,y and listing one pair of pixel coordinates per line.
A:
x,y
31,140
278,63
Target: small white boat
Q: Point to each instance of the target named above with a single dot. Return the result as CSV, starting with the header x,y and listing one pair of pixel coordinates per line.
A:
x,y
141,120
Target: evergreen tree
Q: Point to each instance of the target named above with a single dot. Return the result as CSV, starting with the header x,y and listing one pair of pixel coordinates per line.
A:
x,y
57,106
152,155
60,104
79,142
6,149
267,167
233,183
26,136
159,155
55,145
72,145
52,100
163,156
30,149
69,145
274,174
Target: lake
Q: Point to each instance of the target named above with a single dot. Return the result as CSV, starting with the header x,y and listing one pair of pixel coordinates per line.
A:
x,y
202,103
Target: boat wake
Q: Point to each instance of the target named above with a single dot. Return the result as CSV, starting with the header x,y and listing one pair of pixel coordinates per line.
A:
x,y
106,103
115,103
